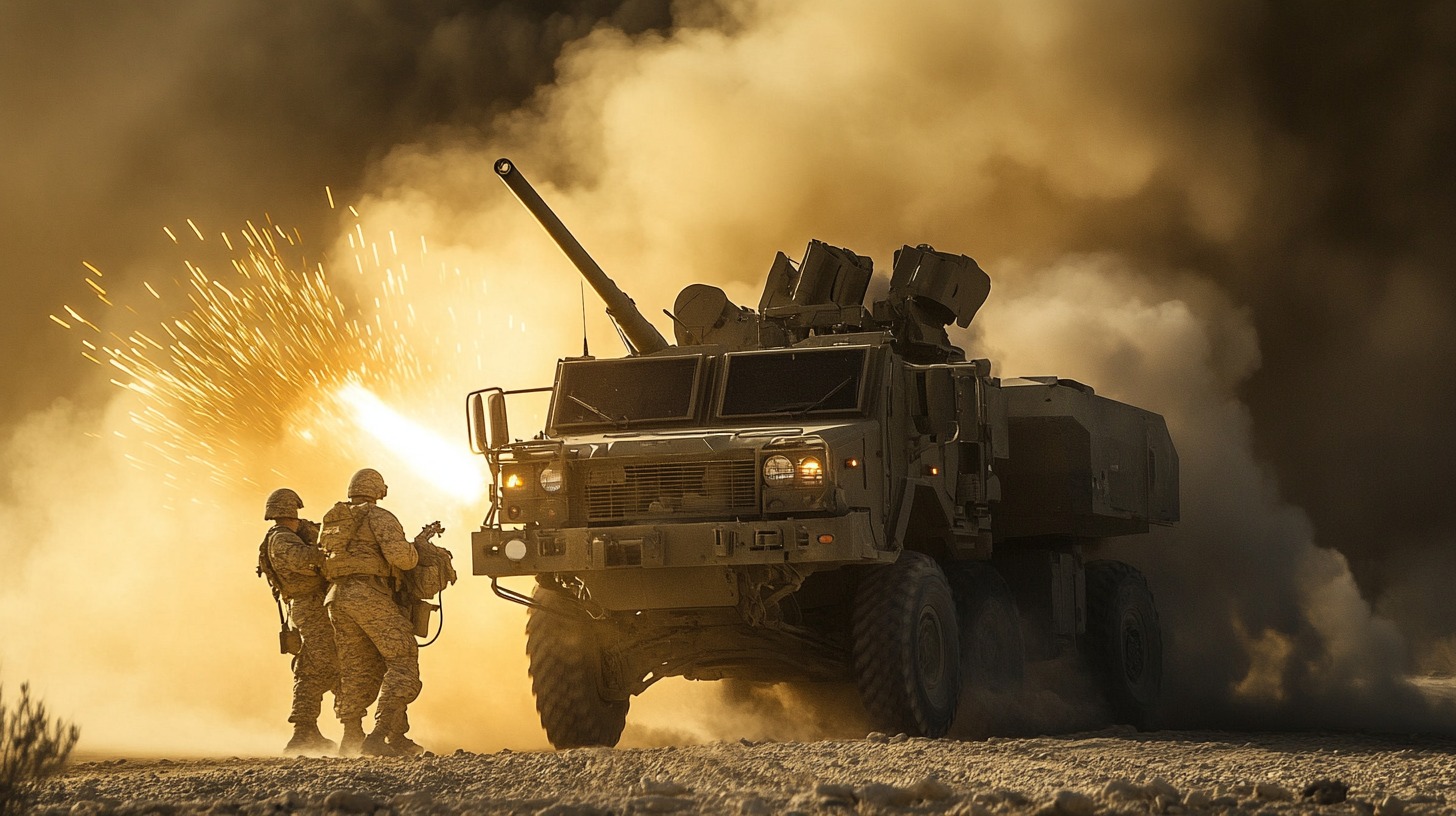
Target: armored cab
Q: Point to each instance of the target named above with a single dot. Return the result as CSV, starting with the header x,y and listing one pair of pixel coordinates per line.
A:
x,y
816,490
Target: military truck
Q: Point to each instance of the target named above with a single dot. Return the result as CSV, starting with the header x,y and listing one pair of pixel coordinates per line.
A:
x,y
818,491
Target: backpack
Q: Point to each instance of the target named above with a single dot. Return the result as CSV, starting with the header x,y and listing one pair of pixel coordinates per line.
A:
x,y
338,528
435,570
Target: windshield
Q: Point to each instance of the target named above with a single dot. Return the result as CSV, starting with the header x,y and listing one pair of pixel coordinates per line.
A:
x,y
797,382
626,391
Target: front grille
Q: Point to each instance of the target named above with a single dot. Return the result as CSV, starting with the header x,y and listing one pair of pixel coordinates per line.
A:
x,y
617,491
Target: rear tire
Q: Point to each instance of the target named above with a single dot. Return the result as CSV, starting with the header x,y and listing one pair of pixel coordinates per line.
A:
x,y
907,646
565,665
1124,643
993,654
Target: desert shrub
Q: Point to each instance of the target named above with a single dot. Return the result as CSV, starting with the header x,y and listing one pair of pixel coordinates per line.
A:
x,y
32,748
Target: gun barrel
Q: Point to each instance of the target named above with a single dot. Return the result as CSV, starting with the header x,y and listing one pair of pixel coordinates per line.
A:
x,y
644,337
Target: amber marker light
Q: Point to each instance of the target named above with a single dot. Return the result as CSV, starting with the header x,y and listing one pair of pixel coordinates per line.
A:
x,y
851,462
826,538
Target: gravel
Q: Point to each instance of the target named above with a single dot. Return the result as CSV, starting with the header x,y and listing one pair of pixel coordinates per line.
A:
x,y
1113,771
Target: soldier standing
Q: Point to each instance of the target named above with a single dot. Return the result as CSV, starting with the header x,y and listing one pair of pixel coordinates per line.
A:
x,y
366,552
295,567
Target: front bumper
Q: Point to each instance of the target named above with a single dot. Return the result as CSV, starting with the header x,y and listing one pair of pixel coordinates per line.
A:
x,y
832,540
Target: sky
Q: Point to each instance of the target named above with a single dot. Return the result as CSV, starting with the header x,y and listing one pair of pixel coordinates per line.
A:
x,y
1235,214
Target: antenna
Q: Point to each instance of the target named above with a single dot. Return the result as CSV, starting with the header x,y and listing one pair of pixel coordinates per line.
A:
x,y
584,351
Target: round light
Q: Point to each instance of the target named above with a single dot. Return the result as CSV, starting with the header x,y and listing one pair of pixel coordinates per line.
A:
x,y
550,479
778,470
514,481
811,471
515,549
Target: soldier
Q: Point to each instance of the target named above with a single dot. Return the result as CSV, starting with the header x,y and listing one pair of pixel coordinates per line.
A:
x,y
295,565
367,551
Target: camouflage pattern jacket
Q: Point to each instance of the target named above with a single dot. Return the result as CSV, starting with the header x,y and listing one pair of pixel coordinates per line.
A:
x,y
298,564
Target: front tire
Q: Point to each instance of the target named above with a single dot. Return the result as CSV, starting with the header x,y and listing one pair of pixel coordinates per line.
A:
x,y
1124,641
565,655
907,646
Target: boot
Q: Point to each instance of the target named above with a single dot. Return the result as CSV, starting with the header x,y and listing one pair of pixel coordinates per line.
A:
x,y
353,739
376,745
405,746
308,740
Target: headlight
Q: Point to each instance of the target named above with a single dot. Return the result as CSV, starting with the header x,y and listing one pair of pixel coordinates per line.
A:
x,y
811,471
515,549
514,481
550,479
778,470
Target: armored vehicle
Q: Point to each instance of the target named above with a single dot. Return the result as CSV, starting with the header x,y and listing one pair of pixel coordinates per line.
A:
x,y
818,491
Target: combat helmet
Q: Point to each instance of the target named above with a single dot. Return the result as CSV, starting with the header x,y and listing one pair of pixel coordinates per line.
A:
x,y
368,484
282,503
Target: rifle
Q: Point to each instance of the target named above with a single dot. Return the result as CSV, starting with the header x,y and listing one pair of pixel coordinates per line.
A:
x,y
429,531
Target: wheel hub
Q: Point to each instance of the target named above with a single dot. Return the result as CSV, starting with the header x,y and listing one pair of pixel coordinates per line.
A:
x,y
930,648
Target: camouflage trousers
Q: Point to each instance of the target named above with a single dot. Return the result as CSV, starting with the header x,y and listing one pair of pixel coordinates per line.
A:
x,y
316,667
378,654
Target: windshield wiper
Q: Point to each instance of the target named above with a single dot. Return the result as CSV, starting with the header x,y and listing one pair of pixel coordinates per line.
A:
x,y
818,402
784,408
616,421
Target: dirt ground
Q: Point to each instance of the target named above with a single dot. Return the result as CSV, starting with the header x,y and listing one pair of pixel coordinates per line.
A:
x,y
1111,771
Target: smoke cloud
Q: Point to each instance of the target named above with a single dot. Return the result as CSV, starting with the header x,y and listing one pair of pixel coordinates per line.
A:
x,y
1229,214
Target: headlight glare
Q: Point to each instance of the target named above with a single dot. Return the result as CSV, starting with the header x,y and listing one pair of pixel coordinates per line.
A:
x,y
811,471
514,481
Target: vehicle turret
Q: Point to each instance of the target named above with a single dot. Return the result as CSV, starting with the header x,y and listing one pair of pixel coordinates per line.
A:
x,y
822,294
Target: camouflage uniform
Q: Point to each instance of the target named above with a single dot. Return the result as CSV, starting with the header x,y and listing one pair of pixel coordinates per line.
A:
x,y
377,649
293,564
316,668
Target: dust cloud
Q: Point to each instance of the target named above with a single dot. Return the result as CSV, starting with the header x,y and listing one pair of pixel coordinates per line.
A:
x,y
1262,627
1172,205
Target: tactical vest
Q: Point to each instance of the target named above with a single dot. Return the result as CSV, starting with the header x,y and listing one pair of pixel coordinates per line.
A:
x,y
348,543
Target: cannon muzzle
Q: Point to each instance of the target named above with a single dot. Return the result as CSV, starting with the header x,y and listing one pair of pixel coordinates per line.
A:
x,y
641,335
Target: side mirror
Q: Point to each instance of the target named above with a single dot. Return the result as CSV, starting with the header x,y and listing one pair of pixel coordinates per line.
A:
x,y
499,432
475,423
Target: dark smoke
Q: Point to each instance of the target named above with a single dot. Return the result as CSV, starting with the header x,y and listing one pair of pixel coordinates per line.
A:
x,y
121,118
1354,296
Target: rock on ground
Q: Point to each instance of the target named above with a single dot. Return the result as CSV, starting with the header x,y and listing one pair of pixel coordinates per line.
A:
x,y
1077,775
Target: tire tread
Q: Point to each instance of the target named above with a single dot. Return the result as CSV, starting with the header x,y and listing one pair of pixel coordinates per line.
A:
x,y
560,649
